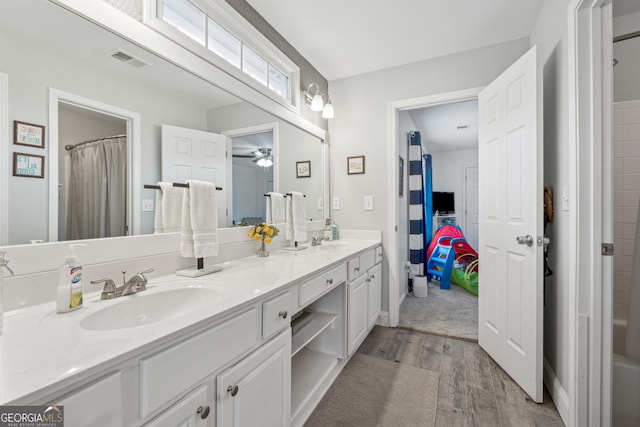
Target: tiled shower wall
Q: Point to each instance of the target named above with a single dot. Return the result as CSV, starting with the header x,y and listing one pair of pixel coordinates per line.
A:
x,y
626,187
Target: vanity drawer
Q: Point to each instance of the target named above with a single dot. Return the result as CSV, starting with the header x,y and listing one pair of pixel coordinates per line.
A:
x,y
367,260
319,285
167,374
378,256
359,265
276,314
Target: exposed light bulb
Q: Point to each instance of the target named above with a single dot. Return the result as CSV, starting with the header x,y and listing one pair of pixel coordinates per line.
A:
x,y
268,162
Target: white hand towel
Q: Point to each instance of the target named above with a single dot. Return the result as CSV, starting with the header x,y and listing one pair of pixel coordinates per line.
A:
x,y
275,208
168,217
199,220
296,227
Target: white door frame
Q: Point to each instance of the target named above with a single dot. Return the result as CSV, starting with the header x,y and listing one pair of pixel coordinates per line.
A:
x,y
394,108
465,192
134,144
250,130
590,289
4,159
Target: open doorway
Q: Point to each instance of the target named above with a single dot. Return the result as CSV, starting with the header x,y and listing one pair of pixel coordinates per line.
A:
x,y
449,134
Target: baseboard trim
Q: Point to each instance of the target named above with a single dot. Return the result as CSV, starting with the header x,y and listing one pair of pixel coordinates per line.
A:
x,y
383,319
558,394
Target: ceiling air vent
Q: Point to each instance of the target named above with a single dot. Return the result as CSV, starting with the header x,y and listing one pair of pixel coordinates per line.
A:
x,y
129,59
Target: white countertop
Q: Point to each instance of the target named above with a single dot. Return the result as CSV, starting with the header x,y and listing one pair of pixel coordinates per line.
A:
x,y
41,351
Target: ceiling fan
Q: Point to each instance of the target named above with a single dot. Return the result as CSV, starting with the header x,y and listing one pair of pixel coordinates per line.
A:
x,y
262,157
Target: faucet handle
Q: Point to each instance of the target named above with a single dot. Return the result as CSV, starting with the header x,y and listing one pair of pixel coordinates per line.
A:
x,y
151,270
109,290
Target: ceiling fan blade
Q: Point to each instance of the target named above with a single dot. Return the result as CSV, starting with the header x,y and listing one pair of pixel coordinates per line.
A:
x,y
244,156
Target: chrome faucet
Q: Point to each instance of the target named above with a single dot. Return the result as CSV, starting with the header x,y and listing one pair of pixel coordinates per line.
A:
x,y
135,284
4,264
317,241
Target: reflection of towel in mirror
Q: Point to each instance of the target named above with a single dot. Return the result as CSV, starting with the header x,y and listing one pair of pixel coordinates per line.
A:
x,y
275,208
168,217
199,220
296,228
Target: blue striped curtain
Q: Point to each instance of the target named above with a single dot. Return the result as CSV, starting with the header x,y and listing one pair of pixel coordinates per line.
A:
x,y
416,204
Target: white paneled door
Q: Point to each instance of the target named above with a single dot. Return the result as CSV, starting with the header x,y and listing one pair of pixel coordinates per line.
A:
x,y
194,154
510,323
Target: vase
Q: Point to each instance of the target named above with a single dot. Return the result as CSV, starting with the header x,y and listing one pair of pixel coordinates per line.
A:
x,y
262,250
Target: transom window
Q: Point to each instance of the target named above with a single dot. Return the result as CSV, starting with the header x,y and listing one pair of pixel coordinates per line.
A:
x,y
194,19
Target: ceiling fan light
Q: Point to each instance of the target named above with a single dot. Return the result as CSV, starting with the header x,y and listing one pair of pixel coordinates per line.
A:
x,y
267,163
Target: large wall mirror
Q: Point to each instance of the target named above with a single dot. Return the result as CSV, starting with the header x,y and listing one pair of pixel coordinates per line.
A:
x,y
103,102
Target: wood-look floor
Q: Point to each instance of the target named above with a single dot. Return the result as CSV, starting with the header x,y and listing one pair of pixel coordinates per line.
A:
x,y
473,390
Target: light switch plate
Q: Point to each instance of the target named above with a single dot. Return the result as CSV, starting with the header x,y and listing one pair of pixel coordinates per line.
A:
x,y
336,203
368,203
147,205
320,203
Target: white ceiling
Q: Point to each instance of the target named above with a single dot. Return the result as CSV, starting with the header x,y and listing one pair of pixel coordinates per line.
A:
x,y
345,38
438,126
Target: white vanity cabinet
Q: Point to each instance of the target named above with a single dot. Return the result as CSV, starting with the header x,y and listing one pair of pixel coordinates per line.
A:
x,y
257,390
364,295
358,315
192,411
374,301
98,404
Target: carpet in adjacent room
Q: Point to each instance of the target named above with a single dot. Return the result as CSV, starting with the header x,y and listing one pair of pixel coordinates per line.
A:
x,y
376,392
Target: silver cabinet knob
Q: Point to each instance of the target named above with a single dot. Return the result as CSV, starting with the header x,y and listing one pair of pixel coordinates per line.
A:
x,y
525,240
283,314
329,281
203,411
356,268
233,389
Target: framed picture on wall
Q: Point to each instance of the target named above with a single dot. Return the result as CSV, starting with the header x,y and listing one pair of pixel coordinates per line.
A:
x,y
303,169
28,165
28,134
401,182
355,165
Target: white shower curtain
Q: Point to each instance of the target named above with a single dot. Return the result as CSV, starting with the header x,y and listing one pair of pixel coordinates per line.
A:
x,y
96,182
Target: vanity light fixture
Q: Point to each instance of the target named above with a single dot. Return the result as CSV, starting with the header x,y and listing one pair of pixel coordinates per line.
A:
x,y
315,101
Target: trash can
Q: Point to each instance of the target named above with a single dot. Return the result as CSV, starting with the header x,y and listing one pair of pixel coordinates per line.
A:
x,y
420,287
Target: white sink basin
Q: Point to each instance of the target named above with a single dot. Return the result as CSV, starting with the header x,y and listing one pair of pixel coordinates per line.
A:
x,y
143,309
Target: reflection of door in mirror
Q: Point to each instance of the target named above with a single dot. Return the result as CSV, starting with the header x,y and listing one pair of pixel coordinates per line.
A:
x,y
253,164
92,174
194,154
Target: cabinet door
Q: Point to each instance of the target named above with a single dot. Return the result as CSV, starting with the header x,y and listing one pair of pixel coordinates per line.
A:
x,y
375,295
358,296
257,390
192,411
99,404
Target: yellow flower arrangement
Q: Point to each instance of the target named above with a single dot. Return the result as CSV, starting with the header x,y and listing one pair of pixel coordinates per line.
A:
x,y
264,232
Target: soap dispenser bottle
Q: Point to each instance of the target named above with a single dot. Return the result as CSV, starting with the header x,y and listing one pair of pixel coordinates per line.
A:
x,y
69,296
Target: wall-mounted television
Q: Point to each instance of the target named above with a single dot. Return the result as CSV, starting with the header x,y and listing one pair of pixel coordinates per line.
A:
x,y
443,202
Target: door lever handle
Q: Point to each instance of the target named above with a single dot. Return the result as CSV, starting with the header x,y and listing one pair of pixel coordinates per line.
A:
x,y
525,240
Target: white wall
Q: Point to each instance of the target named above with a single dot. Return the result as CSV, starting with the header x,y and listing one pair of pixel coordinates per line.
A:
x,y
626,85
550,34
361,125
252,179
448,175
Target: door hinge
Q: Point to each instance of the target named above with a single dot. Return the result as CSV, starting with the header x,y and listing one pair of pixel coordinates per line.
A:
x,y
607,249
